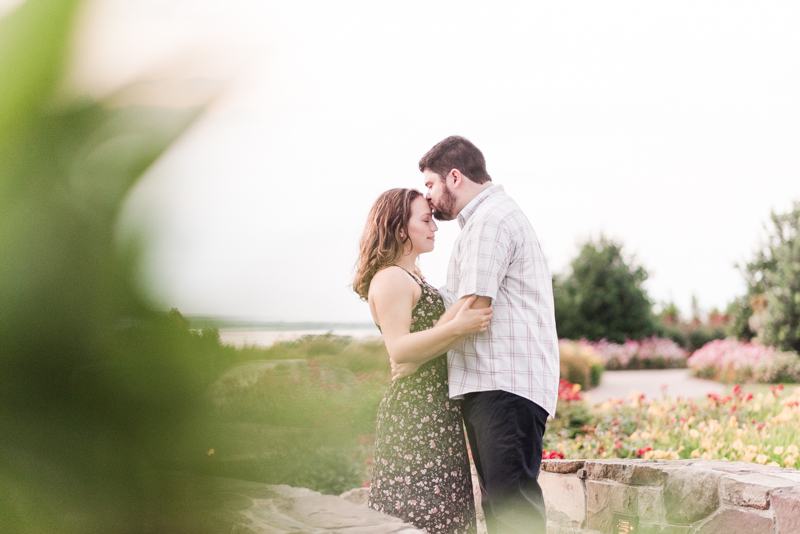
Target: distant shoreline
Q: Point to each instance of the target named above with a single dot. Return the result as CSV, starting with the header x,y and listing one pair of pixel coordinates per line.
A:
x,y
208,321
260,337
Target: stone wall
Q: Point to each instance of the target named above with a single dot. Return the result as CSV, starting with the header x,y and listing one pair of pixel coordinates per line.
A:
x,y
670,497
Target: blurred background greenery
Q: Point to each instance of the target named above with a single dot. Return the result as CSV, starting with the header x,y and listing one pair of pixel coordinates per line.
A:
x,y
100,401
109,409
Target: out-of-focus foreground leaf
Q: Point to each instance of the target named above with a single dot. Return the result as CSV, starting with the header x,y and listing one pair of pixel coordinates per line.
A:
x,y
91,425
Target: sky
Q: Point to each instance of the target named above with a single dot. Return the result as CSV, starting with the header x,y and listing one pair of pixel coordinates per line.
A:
x,y
671,127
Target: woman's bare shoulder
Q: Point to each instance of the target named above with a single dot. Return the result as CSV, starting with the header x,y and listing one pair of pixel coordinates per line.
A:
x,y
392,280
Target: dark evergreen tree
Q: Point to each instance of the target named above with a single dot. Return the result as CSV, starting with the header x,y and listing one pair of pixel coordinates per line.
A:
x,y
602,297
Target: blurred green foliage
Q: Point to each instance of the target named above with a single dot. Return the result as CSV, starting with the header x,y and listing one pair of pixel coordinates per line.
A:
x,y
99,401
300,413
773,286
602,297
692,334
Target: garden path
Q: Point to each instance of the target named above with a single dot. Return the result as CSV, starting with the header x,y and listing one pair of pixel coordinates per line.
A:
x,y
679,383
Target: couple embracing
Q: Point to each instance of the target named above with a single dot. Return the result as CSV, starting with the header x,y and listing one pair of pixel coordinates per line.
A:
x,y
480,353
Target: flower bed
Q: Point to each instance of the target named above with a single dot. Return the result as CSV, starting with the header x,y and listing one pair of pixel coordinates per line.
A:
x,y
762,428
729,360
650,353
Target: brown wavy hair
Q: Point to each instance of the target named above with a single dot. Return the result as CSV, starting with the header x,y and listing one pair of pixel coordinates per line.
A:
x,y
381,245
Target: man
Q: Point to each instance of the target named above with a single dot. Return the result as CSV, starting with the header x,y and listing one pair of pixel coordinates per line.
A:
x,y
507,376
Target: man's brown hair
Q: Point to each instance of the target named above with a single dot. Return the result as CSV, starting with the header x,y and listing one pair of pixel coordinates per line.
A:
x,y
456,152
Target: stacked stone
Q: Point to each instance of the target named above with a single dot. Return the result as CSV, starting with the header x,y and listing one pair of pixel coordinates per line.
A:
x,y
671,497
253,508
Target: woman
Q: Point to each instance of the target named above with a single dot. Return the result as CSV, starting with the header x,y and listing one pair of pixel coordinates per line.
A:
x,y
421,470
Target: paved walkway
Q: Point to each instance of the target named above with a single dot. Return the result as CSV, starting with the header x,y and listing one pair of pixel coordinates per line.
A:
x,y
679,383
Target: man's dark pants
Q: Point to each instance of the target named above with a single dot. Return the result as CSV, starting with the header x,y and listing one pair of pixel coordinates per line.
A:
x,y
505,436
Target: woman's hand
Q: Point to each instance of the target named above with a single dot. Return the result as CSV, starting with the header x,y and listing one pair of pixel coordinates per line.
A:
x,y
402,370
471,320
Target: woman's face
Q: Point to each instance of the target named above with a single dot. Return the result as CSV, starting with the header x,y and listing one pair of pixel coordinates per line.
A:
x,y
421,228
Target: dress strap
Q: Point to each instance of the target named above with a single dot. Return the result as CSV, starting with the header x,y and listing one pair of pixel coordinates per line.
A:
x,y
412,275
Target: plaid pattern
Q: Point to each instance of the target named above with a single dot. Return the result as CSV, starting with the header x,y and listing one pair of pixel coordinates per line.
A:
x,y
497,255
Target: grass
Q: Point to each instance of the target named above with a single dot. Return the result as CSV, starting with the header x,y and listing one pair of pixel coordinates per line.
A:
x,y
307,419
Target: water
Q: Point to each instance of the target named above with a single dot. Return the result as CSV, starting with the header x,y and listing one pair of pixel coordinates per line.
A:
x,y
239,337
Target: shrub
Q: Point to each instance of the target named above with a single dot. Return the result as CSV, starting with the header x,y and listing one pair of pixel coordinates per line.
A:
x,y
781,367
580,363
729,360
292,418
650,353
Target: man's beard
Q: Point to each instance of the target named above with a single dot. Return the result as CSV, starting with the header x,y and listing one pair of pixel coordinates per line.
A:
x,y
444,211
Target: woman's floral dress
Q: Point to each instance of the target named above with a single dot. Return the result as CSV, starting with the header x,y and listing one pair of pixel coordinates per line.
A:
x,y
421,470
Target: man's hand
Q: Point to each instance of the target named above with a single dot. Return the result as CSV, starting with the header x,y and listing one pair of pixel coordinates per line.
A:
x,y
402,370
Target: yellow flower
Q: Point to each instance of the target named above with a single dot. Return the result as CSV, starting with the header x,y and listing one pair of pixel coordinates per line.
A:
x,y
659,454
789,460
694,434
695,453
792,449
748,457
774,464
634,436
645,435
778,450
732,423
576,388
762,459
737,445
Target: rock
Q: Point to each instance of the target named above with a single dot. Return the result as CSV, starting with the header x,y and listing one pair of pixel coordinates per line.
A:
x,y
651,504
657,528
555,528
356,495
731,520
752,491
254,508
562,466
564,498
633,472
605,499
786,506
690,494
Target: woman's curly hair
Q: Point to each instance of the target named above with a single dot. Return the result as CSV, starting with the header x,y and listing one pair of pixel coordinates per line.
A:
x,y
381,243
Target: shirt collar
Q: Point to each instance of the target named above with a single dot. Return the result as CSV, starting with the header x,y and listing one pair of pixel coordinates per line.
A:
x,y
473,204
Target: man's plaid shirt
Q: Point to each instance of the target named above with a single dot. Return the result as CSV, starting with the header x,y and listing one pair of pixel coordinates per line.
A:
x,y
497,255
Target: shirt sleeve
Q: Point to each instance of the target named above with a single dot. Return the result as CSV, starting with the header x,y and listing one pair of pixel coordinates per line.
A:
x,y
447,296
484,259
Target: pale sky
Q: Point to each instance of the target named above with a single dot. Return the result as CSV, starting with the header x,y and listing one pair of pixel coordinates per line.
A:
x,y
673,127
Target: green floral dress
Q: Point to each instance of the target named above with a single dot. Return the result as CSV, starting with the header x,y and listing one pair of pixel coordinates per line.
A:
x,y
421,470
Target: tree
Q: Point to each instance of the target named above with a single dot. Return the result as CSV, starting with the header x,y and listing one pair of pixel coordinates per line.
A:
x,y
602,297
771,308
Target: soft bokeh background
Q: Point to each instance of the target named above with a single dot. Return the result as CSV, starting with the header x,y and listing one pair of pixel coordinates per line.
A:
x,y
239,146
669,127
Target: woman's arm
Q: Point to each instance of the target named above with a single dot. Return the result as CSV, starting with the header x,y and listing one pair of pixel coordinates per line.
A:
x,y
402,370
391,292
